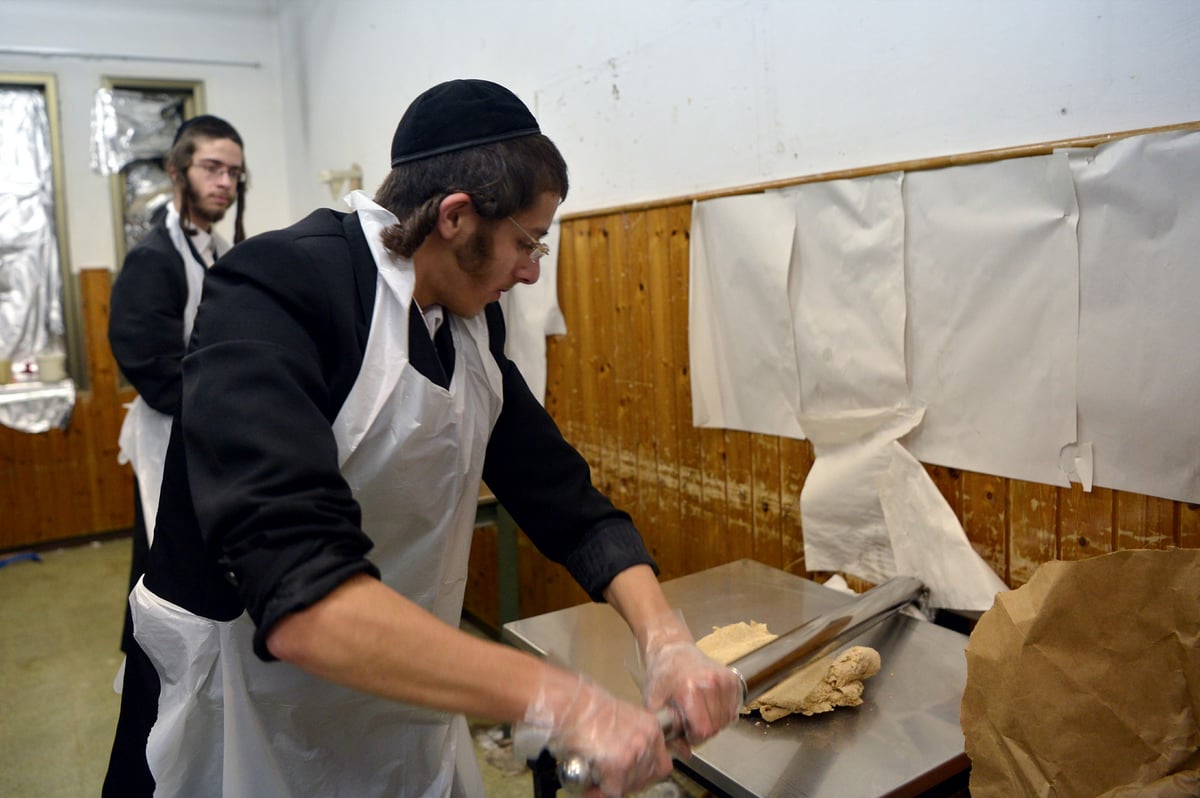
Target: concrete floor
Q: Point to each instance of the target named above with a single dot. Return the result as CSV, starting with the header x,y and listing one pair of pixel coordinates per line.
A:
x,y
60,628
60,624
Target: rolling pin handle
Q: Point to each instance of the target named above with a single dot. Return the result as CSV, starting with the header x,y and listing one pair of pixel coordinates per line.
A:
x,y
575,772
742,683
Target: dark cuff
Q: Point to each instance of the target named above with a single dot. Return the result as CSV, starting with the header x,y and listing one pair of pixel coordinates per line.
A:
x,y
303,588
606,551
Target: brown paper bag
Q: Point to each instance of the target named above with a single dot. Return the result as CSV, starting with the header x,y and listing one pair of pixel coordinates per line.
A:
x,y
1085,682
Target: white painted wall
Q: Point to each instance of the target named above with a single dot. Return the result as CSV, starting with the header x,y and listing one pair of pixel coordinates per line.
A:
x,y
211,31
650,99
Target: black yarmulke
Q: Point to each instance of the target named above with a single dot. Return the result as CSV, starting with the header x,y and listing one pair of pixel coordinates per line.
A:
x,y
459,114
209,123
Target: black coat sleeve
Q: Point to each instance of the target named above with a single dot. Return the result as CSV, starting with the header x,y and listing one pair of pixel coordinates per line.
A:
x,y
546,485
277,345
268,359
145,328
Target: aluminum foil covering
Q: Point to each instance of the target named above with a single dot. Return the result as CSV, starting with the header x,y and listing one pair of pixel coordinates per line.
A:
x,y
148,189
31,310
36,406
130,126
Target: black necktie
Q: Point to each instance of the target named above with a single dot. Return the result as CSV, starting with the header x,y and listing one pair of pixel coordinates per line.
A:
x,y
434,360
443,341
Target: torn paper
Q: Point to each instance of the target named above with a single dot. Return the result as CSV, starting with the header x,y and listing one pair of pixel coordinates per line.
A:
x,y
531,313
870,509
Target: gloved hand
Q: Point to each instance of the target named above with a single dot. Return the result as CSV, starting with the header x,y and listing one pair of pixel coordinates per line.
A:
x,y
707,694
621,742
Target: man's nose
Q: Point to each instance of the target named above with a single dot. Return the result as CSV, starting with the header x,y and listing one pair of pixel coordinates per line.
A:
x,y
528,271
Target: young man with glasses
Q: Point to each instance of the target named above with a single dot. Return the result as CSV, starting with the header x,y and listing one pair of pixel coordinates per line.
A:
x,y
345,391
154,301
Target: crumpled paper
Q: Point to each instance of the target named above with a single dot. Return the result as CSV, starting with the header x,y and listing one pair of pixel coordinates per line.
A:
x,y
1086,681
871,510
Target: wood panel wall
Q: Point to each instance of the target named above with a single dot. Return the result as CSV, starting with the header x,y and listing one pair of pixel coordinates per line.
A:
x,y
65,484
619,388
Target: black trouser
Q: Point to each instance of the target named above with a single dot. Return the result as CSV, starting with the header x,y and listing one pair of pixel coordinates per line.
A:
x,y
128,773
137,564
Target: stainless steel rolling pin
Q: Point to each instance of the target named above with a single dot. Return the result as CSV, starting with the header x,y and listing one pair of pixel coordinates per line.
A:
x,y
768,665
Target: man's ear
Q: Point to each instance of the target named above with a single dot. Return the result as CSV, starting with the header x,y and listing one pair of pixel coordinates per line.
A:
x,y
179,180
455,212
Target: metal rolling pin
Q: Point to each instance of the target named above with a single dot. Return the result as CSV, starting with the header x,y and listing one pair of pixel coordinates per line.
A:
x,y
768,665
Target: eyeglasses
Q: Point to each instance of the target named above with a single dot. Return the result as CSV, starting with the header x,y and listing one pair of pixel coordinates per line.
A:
x,y
214,169
537,249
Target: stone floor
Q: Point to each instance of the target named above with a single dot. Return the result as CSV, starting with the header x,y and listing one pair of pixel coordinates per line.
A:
x,y
60,623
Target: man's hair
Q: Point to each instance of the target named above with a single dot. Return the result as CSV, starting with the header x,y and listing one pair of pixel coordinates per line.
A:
x,y
501,178
205,127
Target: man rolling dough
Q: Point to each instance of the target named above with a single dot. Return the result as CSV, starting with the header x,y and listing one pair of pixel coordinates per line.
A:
x,y
343,394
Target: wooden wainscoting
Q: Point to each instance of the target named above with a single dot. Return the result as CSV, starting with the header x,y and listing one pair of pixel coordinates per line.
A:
x,y
65,484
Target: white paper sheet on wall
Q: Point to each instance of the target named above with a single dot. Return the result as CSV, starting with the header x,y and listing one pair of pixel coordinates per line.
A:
x,y
531,313
1139,322
1012,323
993,297
847,310
868,507
742,355
847,293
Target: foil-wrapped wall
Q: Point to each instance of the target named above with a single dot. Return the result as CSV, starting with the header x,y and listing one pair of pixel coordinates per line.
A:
x,y
132,133
32,332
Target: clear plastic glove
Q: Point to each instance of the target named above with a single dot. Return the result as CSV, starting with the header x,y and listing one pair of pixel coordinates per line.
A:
x,y
622,743
706,694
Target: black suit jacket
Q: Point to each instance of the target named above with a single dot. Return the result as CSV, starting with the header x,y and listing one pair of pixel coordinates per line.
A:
x,y
145,327
255,513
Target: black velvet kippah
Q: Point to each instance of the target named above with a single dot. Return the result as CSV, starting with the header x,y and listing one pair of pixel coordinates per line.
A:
x,y
206,121
459,114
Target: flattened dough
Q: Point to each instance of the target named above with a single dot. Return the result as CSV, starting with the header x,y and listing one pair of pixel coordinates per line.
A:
x,y
835,681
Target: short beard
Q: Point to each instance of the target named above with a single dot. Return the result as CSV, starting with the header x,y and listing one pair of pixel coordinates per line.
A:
x,y
195,210
474,253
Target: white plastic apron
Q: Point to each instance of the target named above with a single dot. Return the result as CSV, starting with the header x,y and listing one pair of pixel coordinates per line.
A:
x,y
231,725
145,431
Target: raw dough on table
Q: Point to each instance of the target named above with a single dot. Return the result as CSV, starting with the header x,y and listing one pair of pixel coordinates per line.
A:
x,y
835,681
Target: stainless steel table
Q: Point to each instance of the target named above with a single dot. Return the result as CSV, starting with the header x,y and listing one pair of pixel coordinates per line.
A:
x,y
904,740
